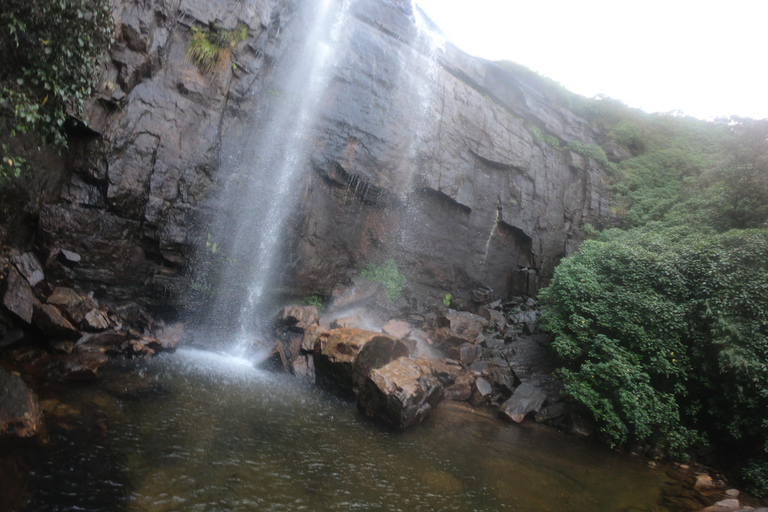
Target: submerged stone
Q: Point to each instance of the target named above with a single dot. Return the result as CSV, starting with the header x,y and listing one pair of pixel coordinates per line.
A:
x,y
20,413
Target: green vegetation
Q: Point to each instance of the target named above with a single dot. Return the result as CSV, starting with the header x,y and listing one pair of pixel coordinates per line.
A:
x,y
313,300
592,151
49,55
210,50
389,275
662,325
447,300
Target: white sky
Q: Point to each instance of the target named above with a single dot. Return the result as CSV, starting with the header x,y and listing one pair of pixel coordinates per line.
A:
x,y
706,58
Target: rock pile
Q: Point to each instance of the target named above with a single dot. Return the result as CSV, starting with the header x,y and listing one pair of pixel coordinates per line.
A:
x,y
493,356
64,334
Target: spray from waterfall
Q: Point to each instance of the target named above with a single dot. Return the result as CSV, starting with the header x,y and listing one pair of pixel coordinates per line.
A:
x,y
266,153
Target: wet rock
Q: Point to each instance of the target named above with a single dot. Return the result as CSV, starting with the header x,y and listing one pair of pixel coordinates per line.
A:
x,y
297,316
580,426
733,493
141,347
81,366
729,504
62,347
461,389
495,318
355,321
50,320
311,334
170,336
467,353
335,357
96,320
304,366
276,361
526,398
462,324
481,392
482,295
400,393
359,293
74,305
110,341
18,297
20,413
70,256
397,329
551,412
28,265
704,483
11,337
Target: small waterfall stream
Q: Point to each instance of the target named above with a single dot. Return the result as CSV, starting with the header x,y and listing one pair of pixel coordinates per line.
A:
x,y
261,176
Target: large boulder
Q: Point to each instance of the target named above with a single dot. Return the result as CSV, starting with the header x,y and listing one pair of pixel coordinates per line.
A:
x,y
344,357
50,320
400,393
71,303
296,316
526,398
20,414
18,297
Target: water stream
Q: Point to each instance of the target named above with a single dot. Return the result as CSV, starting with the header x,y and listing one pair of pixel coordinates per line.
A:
x,y
209,432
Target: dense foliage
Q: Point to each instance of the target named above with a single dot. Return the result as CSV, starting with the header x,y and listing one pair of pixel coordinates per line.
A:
x,y
662,326
389,275
48,60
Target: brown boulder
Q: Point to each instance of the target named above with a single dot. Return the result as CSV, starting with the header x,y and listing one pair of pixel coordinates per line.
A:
x,y
80,367
400,393
461,389
276,361
20,414
96,320
18,297
71,303
463,324
311,334
50,320
335,357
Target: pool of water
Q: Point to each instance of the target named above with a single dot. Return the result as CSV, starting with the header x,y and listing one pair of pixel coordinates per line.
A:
x,y
203,431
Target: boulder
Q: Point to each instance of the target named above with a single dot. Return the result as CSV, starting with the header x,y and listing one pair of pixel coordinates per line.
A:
x,y
397,329
704,483
110,341
303,366
341,363
551,412
400,393
462,324
466,353
495,317
18,297
276,361
80,366
481,392
50,320
96,320
28,265
311,334
71,303
297,316
20,413
461,389
526,398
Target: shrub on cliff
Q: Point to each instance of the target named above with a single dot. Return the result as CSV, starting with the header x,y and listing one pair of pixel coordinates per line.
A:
x,y
48,61
663,335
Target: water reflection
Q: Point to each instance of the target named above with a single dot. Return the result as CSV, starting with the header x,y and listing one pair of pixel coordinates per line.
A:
x,y
214,434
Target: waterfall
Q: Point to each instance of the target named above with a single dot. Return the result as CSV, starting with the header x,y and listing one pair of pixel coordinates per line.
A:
x,y
265,155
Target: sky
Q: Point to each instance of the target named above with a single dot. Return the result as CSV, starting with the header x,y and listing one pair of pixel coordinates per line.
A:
x,y
707,59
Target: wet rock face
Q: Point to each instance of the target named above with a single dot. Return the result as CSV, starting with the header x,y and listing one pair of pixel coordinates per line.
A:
x,y
468,199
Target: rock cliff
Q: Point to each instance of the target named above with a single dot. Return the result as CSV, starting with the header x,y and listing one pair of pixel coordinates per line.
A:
x,y
450,164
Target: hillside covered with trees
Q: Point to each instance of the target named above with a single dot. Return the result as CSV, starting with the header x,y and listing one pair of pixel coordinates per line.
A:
x,y
661,319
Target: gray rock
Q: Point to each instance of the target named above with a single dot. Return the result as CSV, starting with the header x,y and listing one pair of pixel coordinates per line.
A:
x,y
551,412
74,305
397,328
71,256
526,398
481,392
580,426
28,265
20,413
18,297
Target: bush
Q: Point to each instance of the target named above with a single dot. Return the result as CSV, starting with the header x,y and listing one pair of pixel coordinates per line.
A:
x,y
663,335
49,54
211,50
388,274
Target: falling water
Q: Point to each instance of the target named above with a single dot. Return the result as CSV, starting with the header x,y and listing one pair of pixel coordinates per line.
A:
x,y
270,154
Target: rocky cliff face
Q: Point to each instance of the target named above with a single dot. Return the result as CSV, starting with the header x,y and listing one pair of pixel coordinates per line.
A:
x,y
421,153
